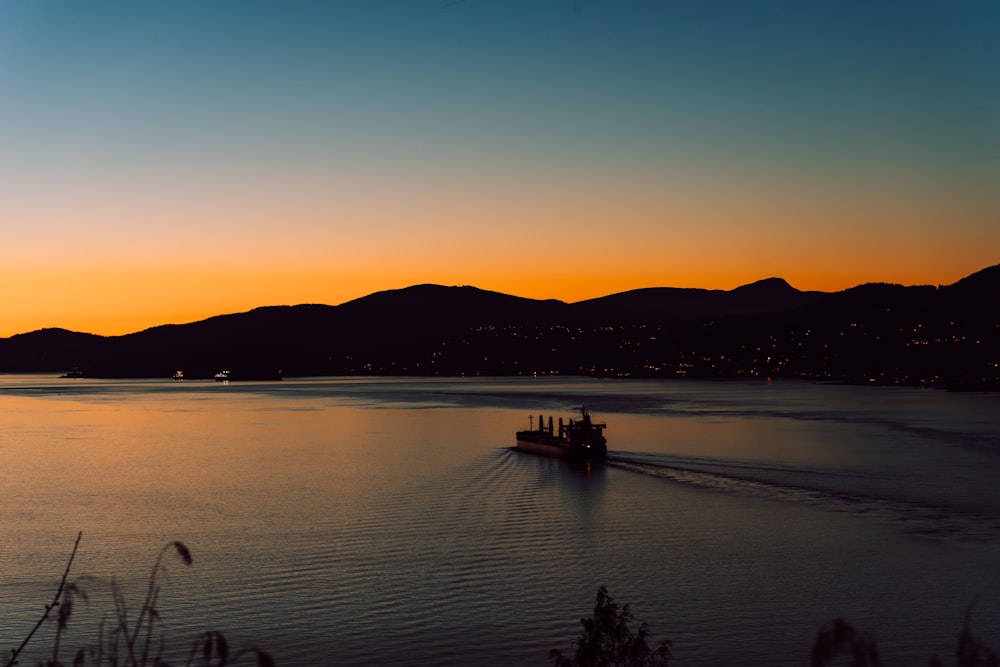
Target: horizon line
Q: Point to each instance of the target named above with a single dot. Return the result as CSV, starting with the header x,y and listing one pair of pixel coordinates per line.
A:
x,y
465,285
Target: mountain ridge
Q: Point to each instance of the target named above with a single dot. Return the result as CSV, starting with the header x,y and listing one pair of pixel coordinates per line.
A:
x,y
427,289
656,331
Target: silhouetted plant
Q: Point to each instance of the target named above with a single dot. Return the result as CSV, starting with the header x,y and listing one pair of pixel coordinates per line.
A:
x,y
971,652
137,643
15,652
607,641
215,652
841,637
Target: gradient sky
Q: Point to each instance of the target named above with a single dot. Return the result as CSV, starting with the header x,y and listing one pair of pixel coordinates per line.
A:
x,y
168,161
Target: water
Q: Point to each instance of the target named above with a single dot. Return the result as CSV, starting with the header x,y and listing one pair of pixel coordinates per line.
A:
x,y
388,521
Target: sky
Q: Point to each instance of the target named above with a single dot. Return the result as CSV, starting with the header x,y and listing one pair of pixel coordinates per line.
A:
x,y
163,162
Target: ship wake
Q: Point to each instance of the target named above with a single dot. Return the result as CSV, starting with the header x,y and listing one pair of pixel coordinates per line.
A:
x,y
824,490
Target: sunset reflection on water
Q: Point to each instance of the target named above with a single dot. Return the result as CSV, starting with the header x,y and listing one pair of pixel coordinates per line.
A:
x,y
321,511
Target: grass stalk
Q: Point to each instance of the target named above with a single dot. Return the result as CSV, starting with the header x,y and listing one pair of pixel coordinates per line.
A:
x,y
48,608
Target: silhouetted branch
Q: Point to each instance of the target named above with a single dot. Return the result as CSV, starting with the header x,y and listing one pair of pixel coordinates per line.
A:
x,y
48,609
131,643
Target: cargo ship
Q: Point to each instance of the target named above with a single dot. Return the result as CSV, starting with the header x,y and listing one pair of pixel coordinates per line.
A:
x,y
581,440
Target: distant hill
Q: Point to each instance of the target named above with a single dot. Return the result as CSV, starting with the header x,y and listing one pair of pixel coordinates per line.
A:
x,y
868,333
54,350
305,334
671,304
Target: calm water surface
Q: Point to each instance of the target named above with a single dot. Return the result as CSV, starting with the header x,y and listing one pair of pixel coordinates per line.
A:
x,y
388,521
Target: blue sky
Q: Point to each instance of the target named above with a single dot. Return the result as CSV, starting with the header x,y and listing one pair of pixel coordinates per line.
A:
x,y
356,146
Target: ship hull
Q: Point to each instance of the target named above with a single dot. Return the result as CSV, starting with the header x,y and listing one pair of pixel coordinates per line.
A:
x,y
536,443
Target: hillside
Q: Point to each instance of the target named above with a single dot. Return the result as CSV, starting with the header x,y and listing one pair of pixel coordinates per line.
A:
x,y
924,335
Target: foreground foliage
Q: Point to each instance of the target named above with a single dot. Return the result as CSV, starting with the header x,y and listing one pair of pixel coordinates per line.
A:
x,y
128,642
607,641
841,638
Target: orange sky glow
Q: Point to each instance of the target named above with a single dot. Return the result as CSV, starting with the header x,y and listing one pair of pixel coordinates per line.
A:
x,y
616,148
123,267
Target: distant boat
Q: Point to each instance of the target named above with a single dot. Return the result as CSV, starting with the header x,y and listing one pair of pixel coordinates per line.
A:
x,y
75,373
583,440
248,375
178,375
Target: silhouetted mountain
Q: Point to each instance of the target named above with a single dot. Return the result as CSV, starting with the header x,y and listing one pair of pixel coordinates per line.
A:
x,y
293,339
672,305
49,350
941,336
871,301
979,283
